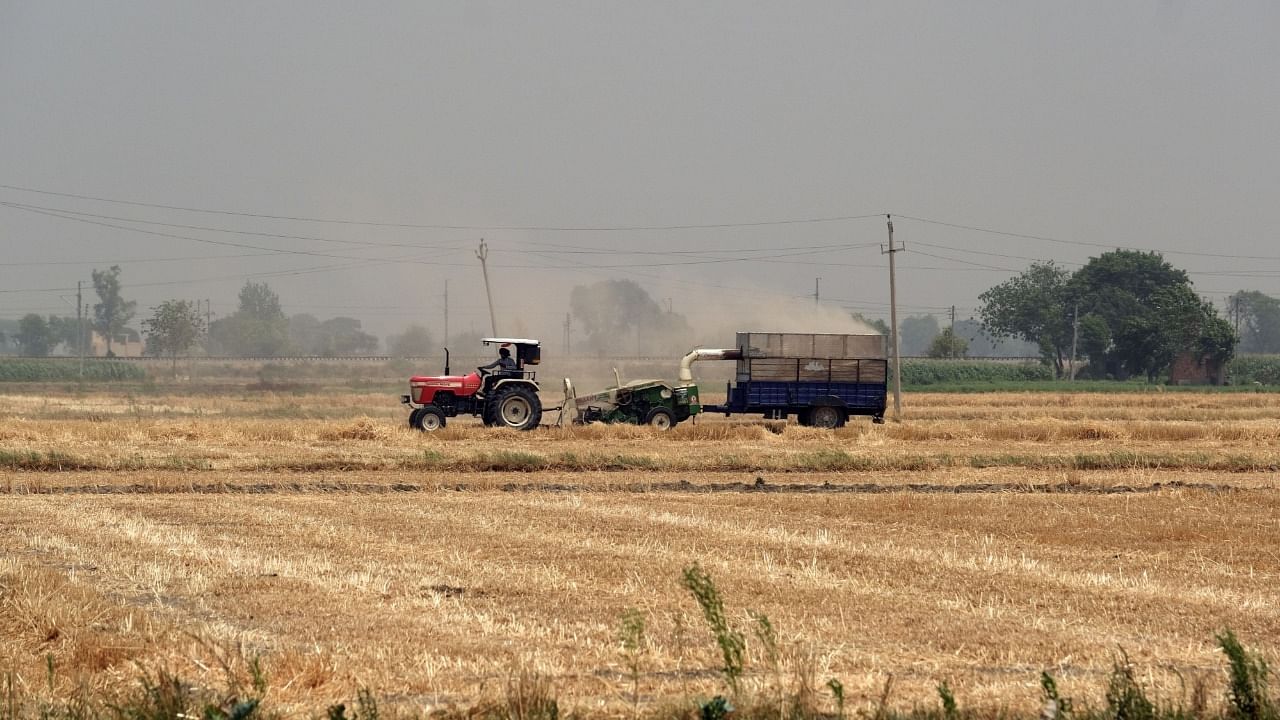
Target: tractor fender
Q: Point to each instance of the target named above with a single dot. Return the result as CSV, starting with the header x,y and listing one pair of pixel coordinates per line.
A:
x,y
507,382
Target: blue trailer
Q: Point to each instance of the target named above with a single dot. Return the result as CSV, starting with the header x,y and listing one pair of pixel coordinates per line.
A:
x,y
823,379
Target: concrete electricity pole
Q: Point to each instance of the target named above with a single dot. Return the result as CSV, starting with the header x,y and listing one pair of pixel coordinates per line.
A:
x,y
1075,335
80,326
483,255
891,249
817,297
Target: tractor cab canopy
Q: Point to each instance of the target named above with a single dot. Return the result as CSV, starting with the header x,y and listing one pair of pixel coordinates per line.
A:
x,y
528,352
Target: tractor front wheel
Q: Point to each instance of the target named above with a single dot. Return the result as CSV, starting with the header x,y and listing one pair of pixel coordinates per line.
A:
x,y
517,408
660,419
427,419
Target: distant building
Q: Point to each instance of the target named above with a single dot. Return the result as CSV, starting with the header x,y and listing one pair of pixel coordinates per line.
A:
x,y
1190,369
125,344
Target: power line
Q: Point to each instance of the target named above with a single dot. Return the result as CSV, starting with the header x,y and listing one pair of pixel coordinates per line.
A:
x,y
226,243
137,261
1226,273
24,206
963,262
1045,238
992,254
434,226
72,217
580,250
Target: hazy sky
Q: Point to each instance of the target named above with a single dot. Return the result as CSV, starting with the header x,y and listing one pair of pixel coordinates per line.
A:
x,y
1142,124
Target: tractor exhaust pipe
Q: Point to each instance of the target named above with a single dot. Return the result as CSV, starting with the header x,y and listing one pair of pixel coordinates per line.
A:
x,y
686,373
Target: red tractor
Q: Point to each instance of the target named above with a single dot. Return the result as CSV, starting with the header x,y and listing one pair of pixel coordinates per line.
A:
x,y
502,397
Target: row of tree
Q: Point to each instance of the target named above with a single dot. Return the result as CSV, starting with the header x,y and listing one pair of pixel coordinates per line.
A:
x,y
258,327
1124,312
37,336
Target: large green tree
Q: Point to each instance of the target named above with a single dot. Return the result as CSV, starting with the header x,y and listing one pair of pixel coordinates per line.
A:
x,y
34,336
1138,313
173,329
258,327
916,334
1033,307
1133,314
112,312
1257,316
415,341
68,332
343,336
947,344
329,338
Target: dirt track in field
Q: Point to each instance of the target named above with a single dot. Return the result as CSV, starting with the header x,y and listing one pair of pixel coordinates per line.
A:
x,y
809,483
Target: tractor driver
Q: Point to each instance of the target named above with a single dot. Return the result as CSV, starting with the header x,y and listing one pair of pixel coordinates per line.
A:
x,y
504,364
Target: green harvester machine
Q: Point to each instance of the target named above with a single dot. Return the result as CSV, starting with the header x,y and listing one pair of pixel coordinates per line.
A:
x,y
657,403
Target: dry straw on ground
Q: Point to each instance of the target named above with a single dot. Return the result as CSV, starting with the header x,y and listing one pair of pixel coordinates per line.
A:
x,y
348,551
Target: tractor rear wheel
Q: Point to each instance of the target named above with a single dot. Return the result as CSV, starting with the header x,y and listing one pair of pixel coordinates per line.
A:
x,y
826,416
660,419
428,419
517,407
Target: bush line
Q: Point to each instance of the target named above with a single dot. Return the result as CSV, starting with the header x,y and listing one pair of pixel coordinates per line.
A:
x,y
32,370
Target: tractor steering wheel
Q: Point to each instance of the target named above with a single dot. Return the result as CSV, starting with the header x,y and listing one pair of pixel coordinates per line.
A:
x,y
482,371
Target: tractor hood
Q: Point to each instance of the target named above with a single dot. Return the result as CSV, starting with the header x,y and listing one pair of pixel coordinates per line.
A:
x,y
440,381
422,387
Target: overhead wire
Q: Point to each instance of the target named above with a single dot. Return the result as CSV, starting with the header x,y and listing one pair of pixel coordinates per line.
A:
x,y
1085,243
175,236
701,257
252,233
442,226
134,261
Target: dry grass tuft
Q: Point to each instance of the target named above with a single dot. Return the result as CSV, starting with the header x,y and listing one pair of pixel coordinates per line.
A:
x,y
361,429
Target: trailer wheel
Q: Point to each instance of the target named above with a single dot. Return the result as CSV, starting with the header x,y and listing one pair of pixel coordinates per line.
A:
x,y
429,419
517,407
826,416
660,419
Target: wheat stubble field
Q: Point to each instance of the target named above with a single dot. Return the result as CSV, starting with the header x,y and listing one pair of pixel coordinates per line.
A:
x,y
982,540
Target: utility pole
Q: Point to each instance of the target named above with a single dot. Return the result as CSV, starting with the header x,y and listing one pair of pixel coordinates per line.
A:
x,y
816,295
567,339
208,326
80,327
483,255
892,250
953,318
1075,336
446,312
